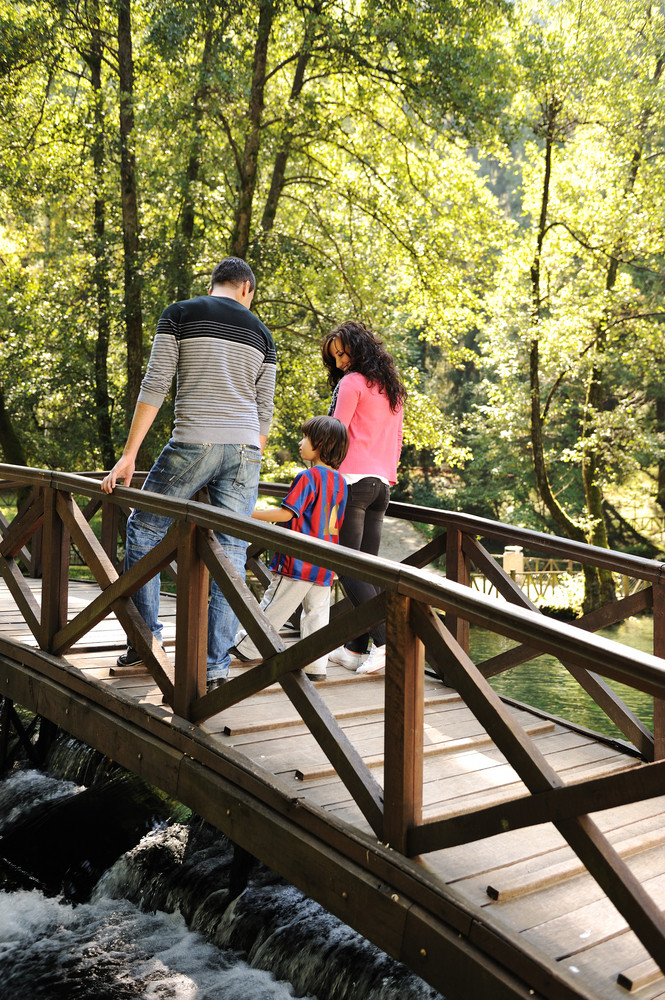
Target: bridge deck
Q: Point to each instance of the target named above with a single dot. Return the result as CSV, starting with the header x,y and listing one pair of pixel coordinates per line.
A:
x,y
528,884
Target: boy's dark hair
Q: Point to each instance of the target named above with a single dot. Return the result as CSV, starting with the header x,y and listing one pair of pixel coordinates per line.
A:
x,y
233,271
329,437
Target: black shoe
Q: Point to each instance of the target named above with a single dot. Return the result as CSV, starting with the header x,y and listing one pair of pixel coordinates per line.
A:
x,y
237,655
130,659
315,677
215,683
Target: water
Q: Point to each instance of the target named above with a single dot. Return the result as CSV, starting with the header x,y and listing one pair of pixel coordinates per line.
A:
x,y
158,922
109,948
546,684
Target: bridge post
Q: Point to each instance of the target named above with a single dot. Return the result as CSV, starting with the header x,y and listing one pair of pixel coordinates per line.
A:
x,y
55,571
457,570
659,650
110,528
404,723
191,651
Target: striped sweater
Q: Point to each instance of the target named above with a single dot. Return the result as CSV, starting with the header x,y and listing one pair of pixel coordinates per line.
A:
x,y
225,362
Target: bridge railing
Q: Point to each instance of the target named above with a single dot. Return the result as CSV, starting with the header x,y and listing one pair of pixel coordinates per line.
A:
x,y
427,617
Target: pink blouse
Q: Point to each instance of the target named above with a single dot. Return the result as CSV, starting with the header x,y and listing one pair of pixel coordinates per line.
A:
x,y
375,432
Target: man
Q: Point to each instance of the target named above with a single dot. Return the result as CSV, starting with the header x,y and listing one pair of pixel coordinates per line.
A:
x,y
224,358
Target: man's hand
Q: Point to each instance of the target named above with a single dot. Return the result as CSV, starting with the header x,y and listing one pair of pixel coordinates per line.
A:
x,y
144,414
123,470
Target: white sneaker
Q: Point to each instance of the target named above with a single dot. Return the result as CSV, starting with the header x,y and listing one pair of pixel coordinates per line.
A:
x,y
375,662
345,658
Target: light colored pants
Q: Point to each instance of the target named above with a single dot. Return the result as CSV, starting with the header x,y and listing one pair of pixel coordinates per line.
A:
x,y
280,601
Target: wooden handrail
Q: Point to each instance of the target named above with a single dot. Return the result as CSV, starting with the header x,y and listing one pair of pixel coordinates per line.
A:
x,y
607,657
564,548
412,598
637,566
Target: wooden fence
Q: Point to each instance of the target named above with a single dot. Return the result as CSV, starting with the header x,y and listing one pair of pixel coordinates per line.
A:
x,y
427,619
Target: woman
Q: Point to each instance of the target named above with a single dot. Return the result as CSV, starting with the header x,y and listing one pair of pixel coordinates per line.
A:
x,y
368,397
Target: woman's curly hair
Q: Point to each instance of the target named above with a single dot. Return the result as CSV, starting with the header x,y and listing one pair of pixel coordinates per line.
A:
x,y
368,357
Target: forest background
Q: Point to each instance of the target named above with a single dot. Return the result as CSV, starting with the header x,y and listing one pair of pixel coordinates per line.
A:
x,y
480,181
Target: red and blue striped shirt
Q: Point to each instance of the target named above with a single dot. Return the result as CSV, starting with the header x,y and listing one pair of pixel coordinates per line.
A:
x,y
317,499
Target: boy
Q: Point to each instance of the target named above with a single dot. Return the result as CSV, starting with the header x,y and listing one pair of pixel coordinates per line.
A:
x,y
314,506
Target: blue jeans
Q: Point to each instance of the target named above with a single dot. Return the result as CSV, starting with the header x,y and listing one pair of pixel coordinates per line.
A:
x,y
231,473
361,529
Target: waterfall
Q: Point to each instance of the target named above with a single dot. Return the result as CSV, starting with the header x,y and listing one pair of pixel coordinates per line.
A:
x,y
113,891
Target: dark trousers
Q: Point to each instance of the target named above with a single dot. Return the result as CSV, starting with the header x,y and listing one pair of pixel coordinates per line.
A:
x,y
361,530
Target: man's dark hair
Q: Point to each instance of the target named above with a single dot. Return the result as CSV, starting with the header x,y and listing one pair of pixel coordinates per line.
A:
x,y
233,271
329,437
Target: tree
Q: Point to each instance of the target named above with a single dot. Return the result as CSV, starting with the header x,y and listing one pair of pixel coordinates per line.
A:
x,y
325,141
593,192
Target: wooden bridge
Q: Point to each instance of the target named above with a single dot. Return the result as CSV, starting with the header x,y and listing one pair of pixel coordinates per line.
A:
x,y
496,850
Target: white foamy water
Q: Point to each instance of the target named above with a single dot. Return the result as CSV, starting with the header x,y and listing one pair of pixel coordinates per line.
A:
x,y
23,790
50,949
270,943
107,949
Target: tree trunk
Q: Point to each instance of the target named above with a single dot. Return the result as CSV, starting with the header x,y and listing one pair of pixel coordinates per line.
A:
x,y
660,427
130,213
183,243
592,588
561,518
592,456
101,267
10,444
595,398
282,158
249,163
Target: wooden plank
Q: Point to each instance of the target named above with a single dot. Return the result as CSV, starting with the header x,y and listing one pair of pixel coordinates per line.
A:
x,y
520,885
457,570
492,794
93,552
27,521
452,661
571,899
434,549
561,803
403,744
110,531
586,921
544,846
256,565
22,594
24,553
641,975
295,657
460,795
55,571
449,746
347,762
263,634
599,966
116,591
495,573
191,654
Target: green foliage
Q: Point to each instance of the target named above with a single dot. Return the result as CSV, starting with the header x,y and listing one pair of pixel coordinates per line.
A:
x,y
397,176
